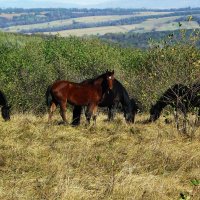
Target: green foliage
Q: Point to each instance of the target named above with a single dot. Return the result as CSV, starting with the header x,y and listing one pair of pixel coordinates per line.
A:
x,y
30,63
168,62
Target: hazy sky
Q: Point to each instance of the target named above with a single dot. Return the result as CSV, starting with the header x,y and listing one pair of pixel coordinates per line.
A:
x,y
99,3
86,2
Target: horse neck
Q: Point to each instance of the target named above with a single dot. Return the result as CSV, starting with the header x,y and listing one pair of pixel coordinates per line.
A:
x,y
161,104
3,101
98,83
125,101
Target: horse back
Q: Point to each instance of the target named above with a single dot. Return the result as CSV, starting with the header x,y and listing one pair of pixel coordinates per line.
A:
x,y
76,93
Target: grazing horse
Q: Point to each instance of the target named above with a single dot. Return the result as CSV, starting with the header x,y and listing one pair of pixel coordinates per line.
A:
x,y
5,110
90,95
195,97
177,96
111,101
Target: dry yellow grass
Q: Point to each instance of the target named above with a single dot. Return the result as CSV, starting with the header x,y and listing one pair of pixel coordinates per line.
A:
x,y
66,22
145,26
107,161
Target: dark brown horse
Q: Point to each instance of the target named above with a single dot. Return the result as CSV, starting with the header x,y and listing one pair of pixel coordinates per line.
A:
x,y
5,110
61,92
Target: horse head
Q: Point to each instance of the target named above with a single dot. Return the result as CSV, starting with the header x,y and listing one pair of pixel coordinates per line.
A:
x,y
110,79
5,112
155,112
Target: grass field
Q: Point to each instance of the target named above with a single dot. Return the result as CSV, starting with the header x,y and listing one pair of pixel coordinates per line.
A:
x,y
58,23
106,161
161,24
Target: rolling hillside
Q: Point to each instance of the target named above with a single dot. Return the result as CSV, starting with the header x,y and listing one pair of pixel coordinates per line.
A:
x,y
81,22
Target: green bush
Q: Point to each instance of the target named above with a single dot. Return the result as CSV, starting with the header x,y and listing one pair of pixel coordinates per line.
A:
x,y
30,63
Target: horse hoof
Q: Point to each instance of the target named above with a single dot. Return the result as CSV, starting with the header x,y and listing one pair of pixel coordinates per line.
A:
x,y
75,124
168,121
62,123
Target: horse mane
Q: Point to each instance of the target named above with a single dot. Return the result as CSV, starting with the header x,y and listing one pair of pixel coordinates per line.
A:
x,y
124,99
3,100
92,80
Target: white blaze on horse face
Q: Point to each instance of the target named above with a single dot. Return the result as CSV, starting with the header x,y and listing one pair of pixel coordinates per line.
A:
x,y
110,77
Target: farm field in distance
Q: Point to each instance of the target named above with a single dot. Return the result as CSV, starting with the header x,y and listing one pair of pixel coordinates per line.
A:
x,y
66,22
161,24
81,22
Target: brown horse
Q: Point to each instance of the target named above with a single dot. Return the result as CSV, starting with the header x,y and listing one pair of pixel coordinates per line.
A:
x,y
90,95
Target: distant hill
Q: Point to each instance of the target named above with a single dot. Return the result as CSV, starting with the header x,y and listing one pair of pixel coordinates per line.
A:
x,y
150,4
81,22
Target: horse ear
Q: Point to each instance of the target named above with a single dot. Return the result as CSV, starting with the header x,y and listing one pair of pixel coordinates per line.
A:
x,y
113,71
107,71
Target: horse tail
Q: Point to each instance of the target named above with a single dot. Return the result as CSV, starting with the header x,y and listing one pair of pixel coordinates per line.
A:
x,y
48,96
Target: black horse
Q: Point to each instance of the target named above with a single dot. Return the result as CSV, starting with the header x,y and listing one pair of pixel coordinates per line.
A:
x,y
111,100
194,97
5,108
178,96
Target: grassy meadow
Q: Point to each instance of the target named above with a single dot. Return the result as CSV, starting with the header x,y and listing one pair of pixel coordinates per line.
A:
x,y
51,161
111,160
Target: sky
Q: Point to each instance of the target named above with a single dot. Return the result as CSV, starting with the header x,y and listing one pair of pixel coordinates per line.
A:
x,y
78,2
99,3
84,2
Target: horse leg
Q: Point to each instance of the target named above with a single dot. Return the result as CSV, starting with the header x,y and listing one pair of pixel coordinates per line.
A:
x,y
111,110
185,121
133,117
88,114
176,118
94,113
198,116
51,110
91,112
63,111
76,115
110,113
